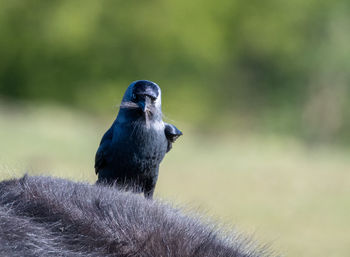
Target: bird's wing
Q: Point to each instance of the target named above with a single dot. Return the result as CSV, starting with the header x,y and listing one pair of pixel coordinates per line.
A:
x,y
171,133
103,150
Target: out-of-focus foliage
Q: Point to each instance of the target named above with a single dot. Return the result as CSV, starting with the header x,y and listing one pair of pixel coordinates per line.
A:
x,y
264,65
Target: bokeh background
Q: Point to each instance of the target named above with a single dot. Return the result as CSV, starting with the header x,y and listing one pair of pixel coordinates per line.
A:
x,y
260,89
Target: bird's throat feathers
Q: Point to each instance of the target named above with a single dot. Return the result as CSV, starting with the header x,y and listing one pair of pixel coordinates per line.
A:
x,y
137,115
146,121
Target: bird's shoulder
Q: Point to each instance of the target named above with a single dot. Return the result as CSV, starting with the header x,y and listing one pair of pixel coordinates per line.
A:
x,y
171,133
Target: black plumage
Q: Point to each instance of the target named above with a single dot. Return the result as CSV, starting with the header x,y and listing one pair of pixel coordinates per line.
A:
x,y
131,150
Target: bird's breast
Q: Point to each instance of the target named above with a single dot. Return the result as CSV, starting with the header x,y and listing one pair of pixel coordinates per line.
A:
x,y
139,148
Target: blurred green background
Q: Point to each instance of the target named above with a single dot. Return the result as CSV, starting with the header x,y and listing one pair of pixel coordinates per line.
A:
x,y
260,89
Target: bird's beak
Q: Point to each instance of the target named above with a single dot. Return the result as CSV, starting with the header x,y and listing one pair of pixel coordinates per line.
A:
x,y
143,104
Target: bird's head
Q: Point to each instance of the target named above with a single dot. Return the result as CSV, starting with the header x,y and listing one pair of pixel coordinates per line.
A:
x,y
142,99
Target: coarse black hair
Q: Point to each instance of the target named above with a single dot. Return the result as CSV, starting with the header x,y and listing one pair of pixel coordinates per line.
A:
x,y
44,216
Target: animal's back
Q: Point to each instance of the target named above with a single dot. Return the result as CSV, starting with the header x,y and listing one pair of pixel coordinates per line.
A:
x,y
41,216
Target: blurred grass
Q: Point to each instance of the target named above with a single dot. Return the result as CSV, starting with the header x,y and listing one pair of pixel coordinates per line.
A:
x,y
284,192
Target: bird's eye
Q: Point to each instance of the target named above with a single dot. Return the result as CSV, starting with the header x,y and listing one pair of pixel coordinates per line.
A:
x,y
133,96
153,99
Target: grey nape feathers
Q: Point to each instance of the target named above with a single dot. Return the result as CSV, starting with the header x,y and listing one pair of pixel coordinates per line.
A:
x,y
42,216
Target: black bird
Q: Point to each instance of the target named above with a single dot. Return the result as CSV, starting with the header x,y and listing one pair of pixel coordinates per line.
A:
x,y
131,150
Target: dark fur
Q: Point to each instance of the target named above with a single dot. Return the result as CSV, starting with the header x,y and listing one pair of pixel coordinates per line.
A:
x,y
42,216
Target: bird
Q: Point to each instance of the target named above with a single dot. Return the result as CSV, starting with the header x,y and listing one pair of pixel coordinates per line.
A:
x,y
132,149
